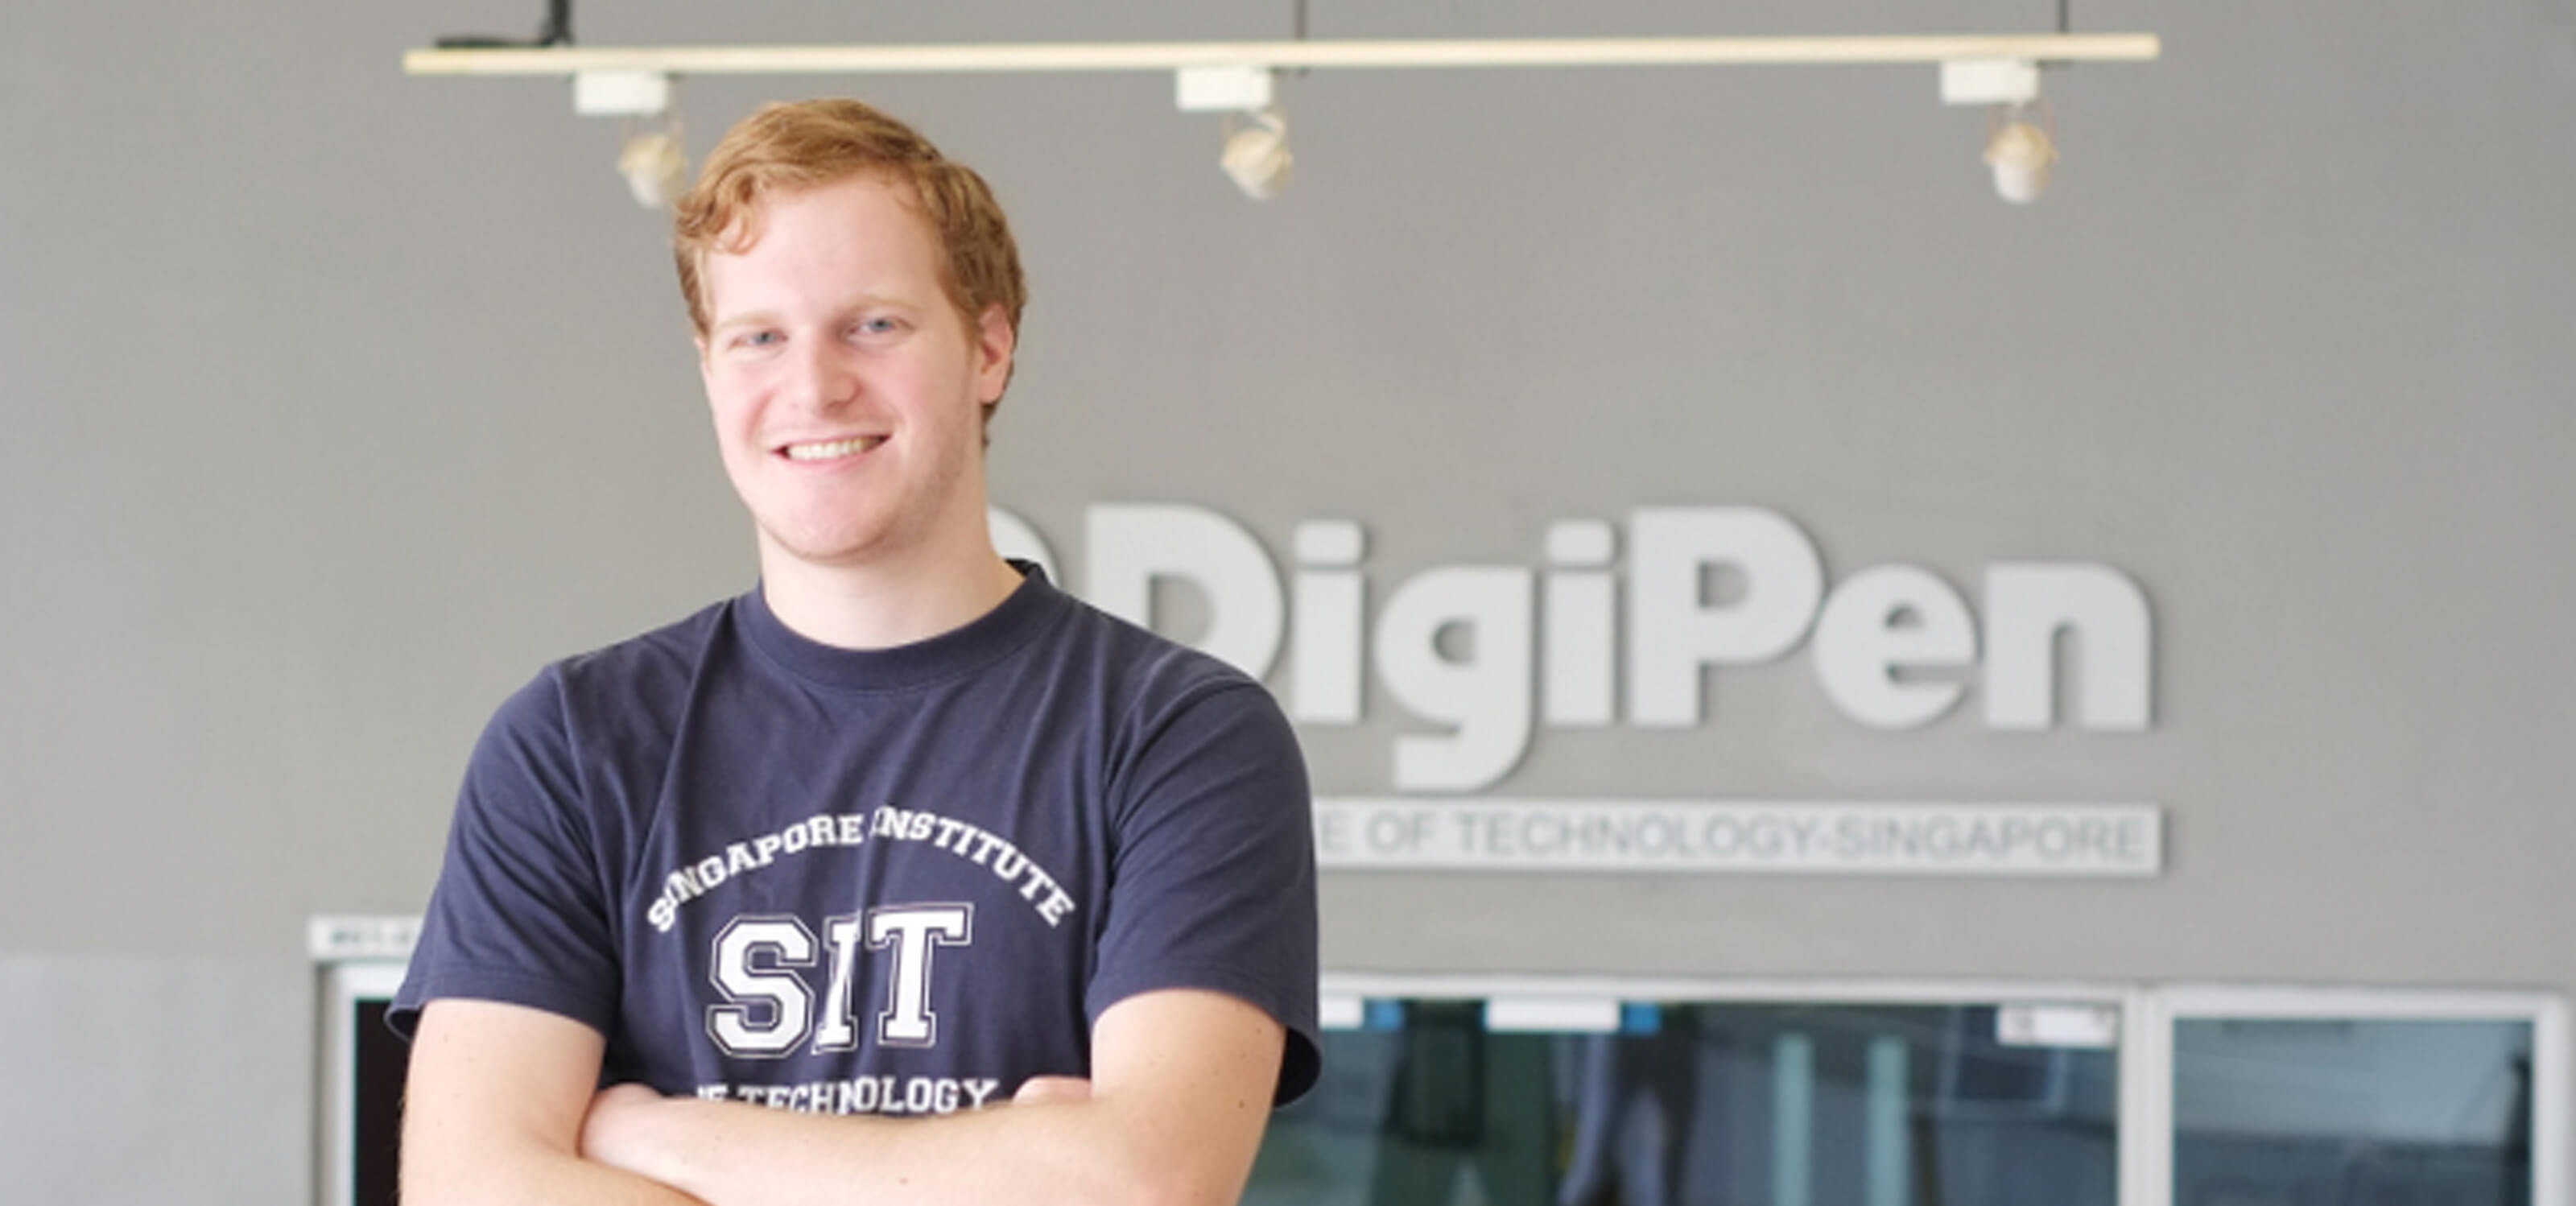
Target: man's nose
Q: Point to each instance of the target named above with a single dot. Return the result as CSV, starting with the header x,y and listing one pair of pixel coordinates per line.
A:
x,y
824,376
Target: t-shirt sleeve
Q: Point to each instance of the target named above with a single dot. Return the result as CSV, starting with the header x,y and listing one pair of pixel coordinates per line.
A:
x,y
1213,875
519,913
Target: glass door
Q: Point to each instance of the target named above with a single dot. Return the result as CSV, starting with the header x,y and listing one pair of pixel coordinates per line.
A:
x,y
1542,1097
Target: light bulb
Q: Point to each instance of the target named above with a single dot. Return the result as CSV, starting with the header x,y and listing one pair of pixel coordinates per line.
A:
x,y
1256,155
2021,155
655,167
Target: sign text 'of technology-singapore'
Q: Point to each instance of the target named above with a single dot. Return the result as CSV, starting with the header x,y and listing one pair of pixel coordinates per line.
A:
x,y
1490,650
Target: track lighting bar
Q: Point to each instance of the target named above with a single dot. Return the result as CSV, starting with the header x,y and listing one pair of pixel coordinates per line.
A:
x,y
1173,56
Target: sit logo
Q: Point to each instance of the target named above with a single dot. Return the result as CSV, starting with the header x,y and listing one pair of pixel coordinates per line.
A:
x,y
769,1009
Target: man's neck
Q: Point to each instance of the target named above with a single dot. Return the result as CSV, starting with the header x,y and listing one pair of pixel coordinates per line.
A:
x,y
882,606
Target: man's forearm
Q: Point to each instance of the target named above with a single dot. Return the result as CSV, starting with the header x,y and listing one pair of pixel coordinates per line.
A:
x,y
493,1109
550,1178
1094,1152
1181,1088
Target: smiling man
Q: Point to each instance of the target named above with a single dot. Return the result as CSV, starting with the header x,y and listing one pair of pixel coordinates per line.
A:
x,y
903,877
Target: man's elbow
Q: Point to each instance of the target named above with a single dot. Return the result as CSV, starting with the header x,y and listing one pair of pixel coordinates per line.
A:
x,y
494,1170
440,1183
1151,1187
1196,1173
434,1173
448,1183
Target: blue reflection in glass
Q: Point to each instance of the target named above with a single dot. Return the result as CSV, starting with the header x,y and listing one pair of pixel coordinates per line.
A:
x,y
1685,1104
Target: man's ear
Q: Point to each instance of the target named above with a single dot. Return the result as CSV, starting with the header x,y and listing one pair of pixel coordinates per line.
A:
x,y
995,343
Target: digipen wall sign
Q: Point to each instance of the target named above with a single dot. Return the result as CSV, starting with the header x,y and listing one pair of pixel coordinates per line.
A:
x,y
1483,656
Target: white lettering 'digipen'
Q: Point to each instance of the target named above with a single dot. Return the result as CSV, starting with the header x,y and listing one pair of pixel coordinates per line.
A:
x,y
1492,651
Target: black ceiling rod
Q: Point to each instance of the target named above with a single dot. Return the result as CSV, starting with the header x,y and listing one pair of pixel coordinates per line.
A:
x,y
557,31
1299,9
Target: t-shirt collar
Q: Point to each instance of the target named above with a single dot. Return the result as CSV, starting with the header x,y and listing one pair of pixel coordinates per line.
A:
x,y
1020,616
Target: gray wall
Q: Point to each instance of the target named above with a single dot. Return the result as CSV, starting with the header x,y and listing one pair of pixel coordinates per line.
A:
x,y
339,401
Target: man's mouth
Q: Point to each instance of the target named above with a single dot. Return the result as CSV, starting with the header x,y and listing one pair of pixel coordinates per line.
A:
x,y
825,450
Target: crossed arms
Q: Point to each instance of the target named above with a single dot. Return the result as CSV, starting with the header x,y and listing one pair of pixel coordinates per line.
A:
x,y
500,1109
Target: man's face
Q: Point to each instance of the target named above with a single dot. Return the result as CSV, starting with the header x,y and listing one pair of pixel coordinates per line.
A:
x,y
847,390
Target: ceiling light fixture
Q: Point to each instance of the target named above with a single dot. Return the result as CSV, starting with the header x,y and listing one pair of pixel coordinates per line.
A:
x,y
1318,55
2021,155
652,158
1240,78
655,166
1256,155
2019,152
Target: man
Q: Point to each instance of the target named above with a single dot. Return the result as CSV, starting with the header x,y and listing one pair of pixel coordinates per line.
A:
x,y
904,877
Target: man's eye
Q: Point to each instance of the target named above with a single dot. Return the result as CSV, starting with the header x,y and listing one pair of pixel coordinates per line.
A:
x,y
875,326
756,339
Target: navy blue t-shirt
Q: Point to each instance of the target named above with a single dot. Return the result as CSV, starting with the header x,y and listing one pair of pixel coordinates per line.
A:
x,y
898,881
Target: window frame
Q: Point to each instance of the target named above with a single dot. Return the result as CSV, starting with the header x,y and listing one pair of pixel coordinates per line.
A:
x,y
2147,1152
2148,1013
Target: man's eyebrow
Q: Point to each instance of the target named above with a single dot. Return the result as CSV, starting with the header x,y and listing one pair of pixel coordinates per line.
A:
x,y
770,318
868,301
748,318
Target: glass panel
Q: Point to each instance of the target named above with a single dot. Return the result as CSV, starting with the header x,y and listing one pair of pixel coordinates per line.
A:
x,y
2352,1112
376,1138
1785,1105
